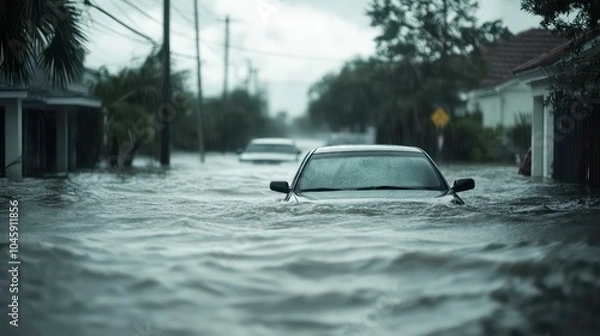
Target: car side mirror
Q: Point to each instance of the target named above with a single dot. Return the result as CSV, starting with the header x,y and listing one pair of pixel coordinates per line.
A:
x,y
239,151
280,186
463,185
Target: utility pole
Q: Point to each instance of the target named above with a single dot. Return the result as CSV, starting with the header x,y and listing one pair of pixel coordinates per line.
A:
x,y
166,88
226,75
255,81
249,76
249,83
263,96
200,106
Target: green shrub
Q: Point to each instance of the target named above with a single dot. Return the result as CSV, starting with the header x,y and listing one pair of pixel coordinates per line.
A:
x,y
467,140
519,136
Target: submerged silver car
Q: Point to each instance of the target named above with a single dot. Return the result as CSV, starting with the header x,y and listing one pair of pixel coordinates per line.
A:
x,y
370,172
270,150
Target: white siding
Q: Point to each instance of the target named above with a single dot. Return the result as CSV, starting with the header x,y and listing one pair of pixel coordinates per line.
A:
x,y
517,100
503,105
490,107
538,136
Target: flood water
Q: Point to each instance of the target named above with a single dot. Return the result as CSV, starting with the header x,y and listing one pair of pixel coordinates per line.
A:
x,y
208,249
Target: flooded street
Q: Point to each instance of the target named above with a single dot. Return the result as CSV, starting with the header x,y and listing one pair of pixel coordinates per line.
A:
x,y
209,250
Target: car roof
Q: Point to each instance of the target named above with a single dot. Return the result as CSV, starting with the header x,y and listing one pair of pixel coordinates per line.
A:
x,y
367,148
272,141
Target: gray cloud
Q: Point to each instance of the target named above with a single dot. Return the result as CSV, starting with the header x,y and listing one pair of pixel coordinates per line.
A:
x,y
333,30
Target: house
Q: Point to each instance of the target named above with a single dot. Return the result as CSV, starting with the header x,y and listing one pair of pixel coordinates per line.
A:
x,y
45,131
565,144
501,97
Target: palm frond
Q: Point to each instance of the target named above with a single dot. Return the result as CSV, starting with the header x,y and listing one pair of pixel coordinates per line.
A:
x,y
17,55
44,36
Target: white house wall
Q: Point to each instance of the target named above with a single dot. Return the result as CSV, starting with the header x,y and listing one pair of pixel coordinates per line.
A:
x,y
502,105
542,132
517,101
537,137
491,109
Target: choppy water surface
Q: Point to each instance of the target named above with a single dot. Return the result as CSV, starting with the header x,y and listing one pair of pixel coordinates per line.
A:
x,y
209,250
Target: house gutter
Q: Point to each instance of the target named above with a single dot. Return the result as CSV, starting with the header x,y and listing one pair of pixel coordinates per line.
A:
x,y
532,75
12,94
74,101
492,90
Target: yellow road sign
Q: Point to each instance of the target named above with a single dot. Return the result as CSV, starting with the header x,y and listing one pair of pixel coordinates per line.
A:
x,y
440,118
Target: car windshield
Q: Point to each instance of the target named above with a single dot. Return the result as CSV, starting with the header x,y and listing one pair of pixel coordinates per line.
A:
x,y
271,148
325,172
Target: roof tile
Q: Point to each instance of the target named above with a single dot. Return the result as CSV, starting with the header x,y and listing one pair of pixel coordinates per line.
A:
x,y
506,55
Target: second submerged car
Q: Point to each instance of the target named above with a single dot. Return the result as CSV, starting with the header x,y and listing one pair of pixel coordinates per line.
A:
x,y
270,150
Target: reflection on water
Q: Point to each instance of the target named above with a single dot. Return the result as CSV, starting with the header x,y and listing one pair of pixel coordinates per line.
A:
x,y
209,250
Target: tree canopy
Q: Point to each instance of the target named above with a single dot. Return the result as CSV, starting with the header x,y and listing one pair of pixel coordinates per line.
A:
x,y
130,101
44,36
567,17
430,30
577,75
346,100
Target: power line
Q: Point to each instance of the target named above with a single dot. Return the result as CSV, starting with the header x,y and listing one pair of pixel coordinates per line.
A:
x,y
141,11
212,46
89,3
129,37
276,54
256,51
184,55
122,11
107,28
182,14
144,13
269,53
215,15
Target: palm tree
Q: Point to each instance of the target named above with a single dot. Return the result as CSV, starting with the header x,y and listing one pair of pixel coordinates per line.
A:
x,y
130,99
41,35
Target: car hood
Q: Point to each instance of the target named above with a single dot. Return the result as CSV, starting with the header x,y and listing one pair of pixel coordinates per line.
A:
x,y
428,196
258,156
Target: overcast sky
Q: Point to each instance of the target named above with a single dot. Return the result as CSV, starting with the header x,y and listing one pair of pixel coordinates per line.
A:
x,y
292,43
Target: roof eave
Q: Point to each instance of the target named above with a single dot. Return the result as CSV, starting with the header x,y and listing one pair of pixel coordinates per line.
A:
x,y
492,90
532,75
13,94
74,101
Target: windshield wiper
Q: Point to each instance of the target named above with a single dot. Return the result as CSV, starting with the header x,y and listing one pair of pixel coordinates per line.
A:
x,y
369,188
383,188
396,188
322,189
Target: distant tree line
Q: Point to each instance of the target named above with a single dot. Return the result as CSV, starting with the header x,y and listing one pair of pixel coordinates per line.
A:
x,y
132,96
228,124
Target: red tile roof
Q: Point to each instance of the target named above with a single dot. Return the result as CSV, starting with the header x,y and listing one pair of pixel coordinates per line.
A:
x,y
544,59
506,55
554,55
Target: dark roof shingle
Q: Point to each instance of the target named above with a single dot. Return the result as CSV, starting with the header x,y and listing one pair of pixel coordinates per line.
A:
x,y
504,56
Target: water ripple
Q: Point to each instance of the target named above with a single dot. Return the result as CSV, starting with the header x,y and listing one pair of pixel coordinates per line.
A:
x,y
207,249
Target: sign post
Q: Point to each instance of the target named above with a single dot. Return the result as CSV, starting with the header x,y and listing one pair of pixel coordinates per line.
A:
x,y
440,119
